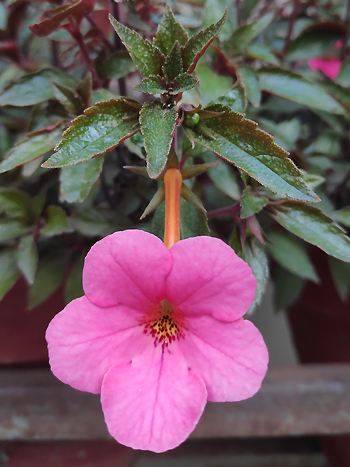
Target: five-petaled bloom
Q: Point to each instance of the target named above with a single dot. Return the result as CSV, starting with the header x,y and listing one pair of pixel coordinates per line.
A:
x,y
158,333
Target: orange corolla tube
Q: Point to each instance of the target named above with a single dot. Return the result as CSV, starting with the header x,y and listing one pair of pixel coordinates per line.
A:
x,y
172,184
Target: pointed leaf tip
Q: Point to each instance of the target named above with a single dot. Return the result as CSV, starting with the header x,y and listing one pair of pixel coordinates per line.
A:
x,y
198,44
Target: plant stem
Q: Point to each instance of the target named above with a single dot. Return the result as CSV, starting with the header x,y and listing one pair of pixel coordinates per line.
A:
x,y
119,46
78,37
343,51
172,186
291,23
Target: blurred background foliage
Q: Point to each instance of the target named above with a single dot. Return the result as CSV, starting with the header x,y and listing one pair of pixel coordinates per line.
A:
x,y
285,64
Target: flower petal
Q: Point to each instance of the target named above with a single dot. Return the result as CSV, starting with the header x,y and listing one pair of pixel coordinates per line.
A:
x,y
128,268
154,401
231,358
207,277
85,341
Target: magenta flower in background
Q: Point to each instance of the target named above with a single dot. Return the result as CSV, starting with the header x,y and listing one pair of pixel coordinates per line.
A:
x,y
329,66
158,333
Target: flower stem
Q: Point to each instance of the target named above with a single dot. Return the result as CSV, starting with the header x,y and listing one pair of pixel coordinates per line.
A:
x,y
172,185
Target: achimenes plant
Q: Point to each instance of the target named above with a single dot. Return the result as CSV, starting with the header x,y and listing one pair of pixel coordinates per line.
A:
x,y
160,328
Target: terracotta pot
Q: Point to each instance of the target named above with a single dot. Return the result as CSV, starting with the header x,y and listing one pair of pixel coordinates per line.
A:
x,y
22,332
320,324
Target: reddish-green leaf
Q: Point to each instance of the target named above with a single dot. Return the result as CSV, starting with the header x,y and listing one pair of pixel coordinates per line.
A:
x,y
146,56
52,19
169,31
100,129
173,65
240,142
199,43
157,127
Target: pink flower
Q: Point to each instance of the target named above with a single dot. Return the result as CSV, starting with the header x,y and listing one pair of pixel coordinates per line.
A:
x,y
158,333
329,66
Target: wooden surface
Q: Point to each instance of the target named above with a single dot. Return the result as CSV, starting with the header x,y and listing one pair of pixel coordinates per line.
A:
x,y
297,401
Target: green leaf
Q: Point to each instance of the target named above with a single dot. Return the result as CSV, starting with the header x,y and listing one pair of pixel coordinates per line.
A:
x,y
100,129
184,82
27,258
287,288
74,287
252,203
169,31
69,99
157,127
241,37
257,259
340,272
15,204
291,254
152,85
342,216
35,88
11,229
8,272
193,221
313,226
146,56
240,142
50,275
344,75
298,89
263,53
56,222
211,84
30,148
312,43
235,99
117,65
198,44
76,182
251,83
223,177
173,65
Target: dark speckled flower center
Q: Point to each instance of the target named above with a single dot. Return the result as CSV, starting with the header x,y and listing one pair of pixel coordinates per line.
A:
x,y
164,329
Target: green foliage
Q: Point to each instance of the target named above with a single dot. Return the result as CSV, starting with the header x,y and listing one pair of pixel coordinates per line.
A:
x,y
169,31
8,272
243,36
291,255
27,258
199,43
33,146
313,226
202,113
157,127
240,142
35,88
292,86
146,56
100,129
56,222
77,181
